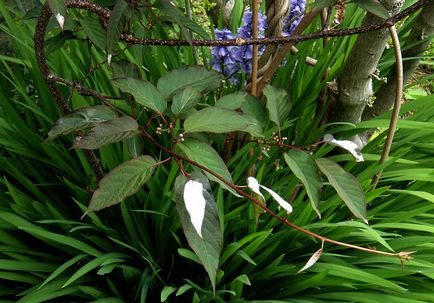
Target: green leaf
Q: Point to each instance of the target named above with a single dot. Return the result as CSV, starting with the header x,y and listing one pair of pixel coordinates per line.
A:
x,y
347,187
121,182
54,43
185,100
305,169
205,155
207,249
231,101
166,292
277,104
220,120
114,26
177,17
93,30
80,119
197,77
58,8
324,3
144,93
374,7
108,132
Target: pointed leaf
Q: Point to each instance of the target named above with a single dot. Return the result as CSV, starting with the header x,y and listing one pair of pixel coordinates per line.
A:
x,y
220,120
253,184
197,77
348,145
231,101
144,93
121,182
195,204
185,100
93,30
305,169
312,260
207,248
347,187
58,8
80,119
205,155
277,104
285,205
108,132
178,18
374,7
114,26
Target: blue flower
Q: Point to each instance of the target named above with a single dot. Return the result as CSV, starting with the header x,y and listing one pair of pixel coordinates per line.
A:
x,y
296,11
223,56
244,53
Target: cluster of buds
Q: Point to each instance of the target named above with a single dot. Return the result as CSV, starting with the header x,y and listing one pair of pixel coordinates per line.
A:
x,y
279,140
181,137
159,129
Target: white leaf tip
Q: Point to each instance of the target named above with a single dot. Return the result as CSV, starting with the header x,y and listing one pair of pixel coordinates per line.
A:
x,y
195,204
61,20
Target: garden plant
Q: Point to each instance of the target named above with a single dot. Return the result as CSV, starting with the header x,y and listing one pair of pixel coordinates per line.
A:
x,y
217,151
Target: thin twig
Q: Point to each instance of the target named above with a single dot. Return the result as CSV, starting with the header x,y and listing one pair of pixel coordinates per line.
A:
x,y
255,47
396,106
265,208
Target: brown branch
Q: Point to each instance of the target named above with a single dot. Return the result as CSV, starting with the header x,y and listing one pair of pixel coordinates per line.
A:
x,y
397,105
265,208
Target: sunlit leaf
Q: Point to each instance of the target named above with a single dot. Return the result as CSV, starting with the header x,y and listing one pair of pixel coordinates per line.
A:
x,y
346,185
305,169
111,131
121,182
80,119
208,247
144,93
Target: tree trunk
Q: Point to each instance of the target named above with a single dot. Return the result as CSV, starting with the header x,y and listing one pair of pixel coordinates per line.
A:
x,y
419,40
355,83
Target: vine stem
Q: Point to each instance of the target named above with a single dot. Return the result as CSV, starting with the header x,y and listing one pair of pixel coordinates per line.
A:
x,y
266,209
255,52
396,106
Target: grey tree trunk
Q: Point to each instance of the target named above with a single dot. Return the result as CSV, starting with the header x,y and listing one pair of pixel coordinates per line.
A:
x,y
355,82
419,40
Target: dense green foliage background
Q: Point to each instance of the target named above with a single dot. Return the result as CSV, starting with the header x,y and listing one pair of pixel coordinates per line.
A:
x,y
136,251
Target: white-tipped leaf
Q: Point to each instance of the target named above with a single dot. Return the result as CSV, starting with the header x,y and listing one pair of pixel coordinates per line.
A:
x,y
253,184
347,145
195,204
61,20
315,257
286,206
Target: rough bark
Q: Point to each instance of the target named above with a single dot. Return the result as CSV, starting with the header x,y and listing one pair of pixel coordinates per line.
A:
x,y
420,40
355,82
